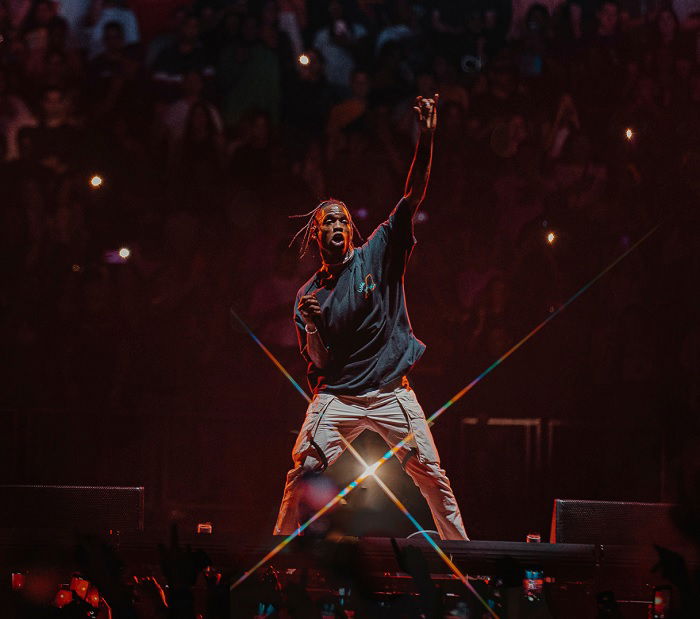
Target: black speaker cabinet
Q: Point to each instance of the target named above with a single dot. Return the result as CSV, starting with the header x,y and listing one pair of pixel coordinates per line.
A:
x,y
97,509
613,522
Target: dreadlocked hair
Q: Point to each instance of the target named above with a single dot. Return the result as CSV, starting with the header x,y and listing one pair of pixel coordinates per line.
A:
x,y
308,230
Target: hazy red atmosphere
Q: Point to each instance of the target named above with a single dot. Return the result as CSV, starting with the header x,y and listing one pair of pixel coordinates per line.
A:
x,y
152,154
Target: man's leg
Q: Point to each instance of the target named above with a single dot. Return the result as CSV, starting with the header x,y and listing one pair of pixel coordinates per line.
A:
x,y
435,487
399,415
318,445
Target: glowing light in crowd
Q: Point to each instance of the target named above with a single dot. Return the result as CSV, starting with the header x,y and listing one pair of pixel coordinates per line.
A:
x,y
63,598
96,181
93,597
629,134
18,581
453,400
304,60
551,237
79,586
124,253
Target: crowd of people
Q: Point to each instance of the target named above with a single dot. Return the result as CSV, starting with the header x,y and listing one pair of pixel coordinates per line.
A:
x,y
149,168
564,137
335,582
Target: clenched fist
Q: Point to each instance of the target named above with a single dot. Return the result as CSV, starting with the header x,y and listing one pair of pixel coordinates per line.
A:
x,y
310,308
426,113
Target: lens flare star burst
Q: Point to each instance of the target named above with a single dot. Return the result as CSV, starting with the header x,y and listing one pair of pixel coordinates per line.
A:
x,y
395,500
372,470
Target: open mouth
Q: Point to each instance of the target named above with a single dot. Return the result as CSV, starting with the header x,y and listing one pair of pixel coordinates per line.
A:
x,y
338,239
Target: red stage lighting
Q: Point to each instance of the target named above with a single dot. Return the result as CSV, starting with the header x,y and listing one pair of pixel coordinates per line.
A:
x,y
18,580
63,597
79,586
93,597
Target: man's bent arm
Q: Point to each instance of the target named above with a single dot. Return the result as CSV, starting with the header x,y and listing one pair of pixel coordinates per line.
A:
x,y
316,349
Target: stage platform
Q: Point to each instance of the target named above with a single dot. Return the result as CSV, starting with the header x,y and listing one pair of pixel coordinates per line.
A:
x,y
599,565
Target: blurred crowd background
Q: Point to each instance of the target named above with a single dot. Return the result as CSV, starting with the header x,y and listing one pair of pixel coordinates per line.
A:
x,y
151,154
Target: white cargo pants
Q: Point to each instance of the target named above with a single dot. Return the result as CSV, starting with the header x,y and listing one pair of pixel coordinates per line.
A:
x,y
392,412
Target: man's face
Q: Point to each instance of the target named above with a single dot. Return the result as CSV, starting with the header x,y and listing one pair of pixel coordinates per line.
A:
x,y
44,13
113,39
607,18
190,30
334,232
54,104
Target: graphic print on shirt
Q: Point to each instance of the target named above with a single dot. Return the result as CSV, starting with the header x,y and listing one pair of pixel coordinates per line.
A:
x,y
367,286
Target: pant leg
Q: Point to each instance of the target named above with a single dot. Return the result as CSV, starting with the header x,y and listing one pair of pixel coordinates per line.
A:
x,y
317,447
394,420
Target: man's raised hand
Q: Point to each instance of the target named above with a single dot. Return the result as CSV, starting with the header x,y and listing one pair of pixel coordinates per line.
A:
x,y
426,113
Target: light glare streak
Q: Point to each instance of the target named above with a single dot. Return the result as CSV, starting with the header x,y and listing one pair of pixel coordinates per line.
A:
x,y
271,357
396,501
453,400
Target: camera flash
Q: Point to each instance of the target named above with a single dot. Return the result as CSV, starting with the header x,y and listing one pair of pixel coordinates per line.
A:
x,y
96,181
629,134
124,253
551,237
304,60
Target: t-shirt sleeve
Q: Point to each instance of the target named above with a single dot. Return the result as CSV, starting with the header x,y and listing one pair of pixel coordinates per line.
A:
x,y
393,240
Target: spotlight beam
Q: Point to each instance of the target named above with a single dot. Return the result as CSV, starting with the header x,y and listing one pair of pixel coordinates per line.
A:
x,y
454,399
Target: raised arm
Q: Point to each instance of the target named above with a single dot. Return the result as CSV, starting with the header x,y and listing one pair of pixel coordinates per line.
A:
x,y
418,175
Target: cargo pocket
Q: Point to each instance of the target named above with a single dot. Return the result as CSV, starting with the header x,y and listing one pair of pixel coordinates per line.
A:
x,y
422,437
305,439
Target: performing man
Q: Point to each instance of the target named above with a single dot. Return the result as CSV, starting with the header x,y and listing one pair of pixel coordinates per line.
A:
x,y
354,331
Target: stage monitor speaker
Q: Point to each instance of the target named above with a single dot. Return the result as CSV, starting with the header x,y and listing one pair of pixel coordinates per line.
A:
x,y
613,522
96,509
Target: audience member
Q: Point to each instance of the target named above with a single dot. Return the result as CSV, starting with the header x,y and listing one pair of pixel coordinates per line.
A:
x,y
102,12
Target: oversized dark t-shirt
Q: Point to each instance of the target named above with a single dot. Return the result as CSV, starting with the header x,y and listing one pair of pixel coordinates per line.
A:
x,y
364,323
